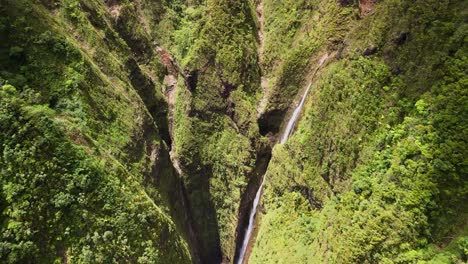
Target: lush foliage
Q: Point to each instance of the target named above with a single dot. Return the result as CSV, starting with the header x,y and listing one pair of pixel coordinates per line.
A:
x,y
60,204
216,135
297,34
85,174
95,96
376,172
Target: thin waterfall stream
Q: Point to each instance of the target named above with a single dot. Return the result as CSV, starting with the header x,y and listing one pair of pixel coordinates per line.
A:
x,y
287,132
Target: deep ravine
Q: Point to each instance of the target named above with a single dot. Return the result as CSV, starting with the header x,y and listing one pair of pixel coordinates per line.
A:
x,y
242,252
287,132
170,82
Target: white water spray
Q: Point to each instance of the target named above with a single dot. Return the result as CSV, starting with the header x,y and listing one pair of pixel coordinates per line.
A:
x,y
294,117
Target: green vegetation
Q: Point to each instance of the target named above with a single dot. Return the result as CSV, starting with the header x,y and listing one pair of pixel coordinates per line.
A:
x,y
85,175
216,135
376,172
105,158
95,65
297,34
59,204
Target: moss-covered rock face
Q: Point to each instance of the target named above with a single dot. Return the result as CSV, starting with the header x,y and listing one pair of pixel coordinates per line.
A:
x,y
376,171
105,73
133,131
85,172
216,135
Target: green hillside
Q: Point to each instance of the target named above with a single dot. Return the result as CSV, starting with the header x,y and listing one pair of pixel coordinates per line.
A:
x,y
138,131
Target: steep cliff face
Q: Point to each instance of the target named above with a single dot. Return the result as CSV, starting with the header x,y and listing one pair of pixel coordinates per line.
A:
x,y
215,131
375,171
297,34
85,169
138,131
129,82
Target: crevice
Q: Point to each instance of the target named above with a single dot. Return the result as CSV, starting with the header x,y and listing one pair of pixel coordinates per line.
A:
x,y
161,110
263,156
261,166
145,88
192,238
194,234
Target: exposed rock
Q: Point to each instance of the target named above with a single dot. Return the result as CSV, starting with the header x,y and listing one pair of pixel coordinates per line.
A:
x,y
191,79
264,101
272,139
170,81
168,61
366,6
114,8
401,39
155,153
370,50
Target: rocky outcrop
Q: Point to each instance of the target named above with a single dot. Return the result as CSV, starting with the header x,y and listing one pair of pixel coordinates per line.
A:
x,y
370,50
366,6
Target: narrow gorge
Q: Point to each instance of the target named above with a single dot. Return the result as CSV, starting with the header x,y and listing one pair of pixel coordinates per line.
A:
x,y
247,236
227,131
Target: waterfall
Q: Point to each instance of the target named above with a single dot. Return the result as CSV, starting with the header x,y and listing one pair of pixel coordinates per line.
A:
x,y
294,117
287,132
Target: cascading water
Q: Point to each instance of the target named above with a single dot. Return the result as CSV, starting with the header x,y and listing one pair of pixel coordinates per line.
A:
x,y
253,212
293,119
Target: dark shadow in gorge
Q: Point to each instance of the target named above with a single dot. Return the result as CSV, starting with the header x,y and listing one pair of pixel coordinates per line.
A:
x,y
203,215
163,176
181,210
261,165
271,121
157,106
